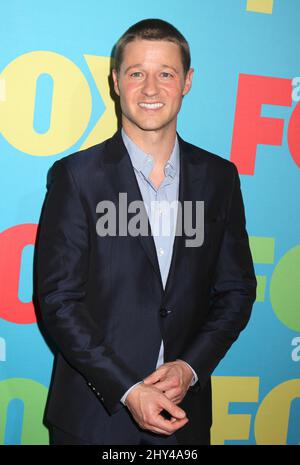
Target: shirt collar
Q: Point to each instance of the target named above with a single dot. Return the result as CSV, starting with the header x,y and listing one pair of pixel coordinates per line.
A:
x,y
143,162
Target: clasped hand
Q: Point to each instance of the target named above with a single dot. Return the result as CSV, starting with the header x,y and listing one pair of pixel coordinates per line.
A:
x,y
161,390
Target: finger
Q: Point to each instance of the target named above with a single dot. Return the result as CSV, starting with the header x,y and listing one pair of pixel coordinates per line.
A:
x,y
154,429
164,385
168,425
153,378
171,419
173,409
159,431
173,396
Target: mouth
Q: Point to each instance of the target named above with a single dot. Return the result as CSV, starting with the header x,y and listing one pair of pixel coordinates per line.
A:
x,y
151,106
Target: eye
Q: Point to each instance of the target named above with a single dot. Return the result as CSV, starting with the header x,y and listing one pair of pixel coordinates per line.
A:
x,y
165,75
136,74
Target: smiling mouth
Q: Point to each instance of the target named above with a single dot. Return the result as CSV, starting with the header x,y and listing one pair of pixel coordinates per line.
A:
x,y
151,106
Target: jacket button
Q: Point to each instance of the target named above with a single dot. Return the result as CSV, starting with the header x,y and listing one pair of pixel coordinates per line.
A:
x,y
164,312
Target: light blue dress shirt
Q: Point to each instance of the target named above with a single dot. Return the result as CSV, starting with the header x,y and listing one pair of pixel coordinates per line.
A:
x,y
156,200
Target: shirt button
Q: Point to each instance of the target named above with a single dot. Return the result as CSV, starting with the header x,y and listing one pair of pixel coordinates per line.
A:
x,y
164,312
161,251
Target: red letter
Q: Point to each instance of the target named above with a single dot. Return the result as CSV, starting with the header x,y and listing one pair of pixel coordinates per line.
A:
x,y
12,243
294,135
250,128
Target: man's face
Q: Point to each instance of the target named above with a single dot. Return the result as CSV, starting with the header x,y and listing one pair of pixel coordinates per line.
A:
x,y
151,84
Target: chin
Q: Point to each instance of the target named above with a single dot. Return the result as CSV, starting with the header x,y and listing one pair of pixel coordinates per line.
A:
x,y
152,126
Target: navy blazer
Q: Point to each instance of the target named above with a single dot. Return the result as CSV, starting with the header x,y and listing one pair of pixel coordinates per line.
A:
x,y
102,301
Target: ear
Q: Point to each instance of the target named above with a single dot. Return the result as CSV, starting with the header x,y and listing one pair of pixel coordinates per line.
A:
x,y
116,82
188,81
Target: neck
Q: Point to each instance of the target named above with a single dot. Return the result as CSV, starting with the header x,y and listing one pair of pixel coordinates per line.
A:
x,y
159,143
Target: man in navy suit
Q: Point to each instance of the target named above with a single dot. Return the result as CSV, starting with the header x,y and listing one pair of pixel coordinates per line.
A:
x,y
140,321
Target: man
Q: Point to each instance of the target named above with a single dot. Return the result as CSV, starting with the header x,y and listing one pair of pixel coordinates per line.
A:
x,y
141,321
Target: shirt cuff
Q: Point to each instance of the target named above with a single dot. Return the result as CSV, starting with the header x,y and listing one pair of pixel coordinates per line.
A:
x,y
123,398
195,377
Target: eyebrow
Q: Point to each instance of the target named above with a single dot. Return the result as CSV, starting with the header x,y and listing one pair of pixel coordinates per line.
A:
x,y
140,64
171,67
132,66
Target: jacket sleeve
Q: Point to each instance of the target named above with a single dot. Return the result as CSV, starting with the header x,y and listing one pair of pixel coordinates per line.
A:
x,y
62,260
233,293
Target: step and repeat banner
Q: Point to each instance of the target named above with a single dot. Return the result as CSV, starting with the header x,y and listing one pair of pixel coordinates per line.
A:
x,y
244,105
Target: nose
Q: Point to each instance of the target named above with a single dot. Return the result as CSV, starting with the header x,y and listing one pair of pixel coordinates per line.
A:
x,y
150,88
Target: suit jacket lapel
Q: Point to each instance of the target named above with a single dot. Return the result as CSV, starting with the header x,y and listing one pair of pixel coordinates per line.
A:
x,y
191,188
123,179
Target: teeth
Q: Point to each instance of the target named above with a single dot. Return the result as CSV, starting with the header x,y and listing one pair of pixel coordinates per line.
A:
x,y
151,106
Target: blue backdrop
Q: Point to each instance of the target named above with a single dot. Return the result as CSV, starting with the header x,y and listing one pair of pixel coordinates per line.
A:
x,y
244,106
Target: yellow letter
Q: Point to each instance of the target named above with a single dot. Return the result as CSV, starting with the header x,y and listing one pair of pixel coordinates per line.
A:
x,y
228,389
107,124
71,103
272,418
